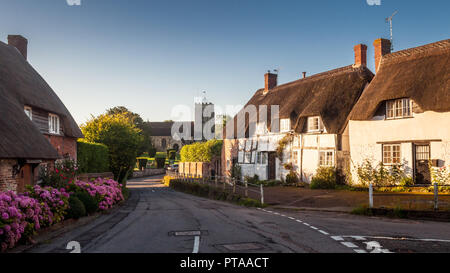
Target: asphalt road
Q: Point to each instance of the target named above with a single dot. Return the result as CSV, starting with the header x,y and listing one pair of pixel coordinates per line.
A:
x,y
157,219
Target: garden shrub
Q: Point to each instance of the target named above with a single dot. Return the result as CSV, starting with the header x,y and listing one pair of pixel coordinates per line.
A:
x,y
92,157
54,203
63,173
292,178
252,180
325,178
160,162
89,202
172,154
142,163
201,152
107,192
76,208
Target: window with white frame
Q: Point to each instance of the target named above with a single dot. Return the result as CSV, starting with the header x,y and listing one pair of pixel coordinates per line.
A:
x,y
28,112
261,158
400,108
315,124
285,125
326,158
53,124
247,157
391,154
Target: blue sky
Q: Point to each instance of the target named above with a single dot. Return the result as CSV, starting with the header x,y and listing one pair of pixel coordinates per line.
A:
x,y
151,55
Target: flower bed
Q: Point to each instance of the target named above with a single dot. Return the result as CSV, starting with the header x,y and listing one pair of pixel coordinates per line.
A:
x,y
22,215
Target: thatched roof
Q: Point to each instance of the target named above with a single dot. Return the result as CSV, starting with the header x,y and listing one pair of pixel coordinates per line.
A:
x,y
421,73
331,95
21,85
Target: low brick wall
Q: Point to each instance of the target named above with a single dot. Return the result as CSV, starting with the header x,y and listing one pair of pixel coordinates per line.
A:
x,y
198,169
148,172
90,176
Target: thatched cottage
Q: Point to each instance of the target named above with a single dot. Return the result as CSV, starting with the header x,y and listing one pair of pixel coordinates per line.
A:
x,y
313,114
403,117
35,126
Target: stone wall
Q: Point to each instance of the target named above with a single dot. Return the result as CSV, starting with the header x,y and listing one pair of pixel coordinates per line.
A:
x,y
90,176
148,172
8,182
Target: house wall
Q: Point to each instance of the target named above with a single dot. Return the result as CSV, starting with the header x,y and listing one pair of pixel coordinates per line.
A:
x,y
170,142
8,182
308,147
366,138
66,146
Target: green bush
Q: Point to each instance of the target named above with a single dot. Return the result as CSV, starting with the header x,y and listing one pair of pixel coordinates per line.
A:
x,y
172,154
325,178
160,162
92,157
201,152
152,152
89,202
76,208
292,178
252,180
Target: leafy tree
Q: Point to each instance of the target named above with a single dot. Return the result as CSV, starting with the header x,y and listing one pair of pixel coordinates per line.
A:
x,y
122,138
136,119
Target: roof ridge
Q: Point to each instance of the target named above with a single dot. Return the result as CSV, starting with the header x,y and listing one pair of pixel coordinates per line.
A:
x,y
428,48
320,75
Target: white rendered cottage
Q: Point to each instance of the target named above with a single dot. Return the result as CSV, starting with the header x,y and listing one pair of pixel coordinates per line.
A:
x,y
403,117
313,112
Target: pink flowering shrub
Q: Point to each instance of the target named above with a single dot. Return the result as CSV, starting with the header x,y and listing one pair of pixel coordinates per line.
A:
x,y
107,192
12,220
54,203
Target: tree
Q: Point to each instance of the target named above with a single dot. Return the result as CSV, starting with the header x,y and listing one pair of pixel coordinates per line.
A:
x,y
136,119
121,136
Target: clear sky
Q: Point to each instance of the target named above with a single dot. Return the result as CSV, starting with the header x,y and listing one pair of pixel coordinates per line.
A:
x,y
151,55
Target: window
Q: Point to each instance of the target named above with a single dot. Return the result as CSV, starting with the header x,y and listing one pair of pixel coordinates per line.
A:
x,y
326,159
28,112
53,124
261,158
391,154
314,124
285,125
400,108
248,157
241,157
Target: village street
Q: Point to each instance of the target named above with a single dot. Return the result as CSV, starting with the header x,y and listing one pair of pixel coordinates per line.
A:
x,y
157,219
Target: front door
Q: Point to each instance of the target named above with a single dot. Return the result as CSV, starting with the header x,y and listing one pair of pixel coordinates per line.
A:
x,y
272,166
26,177
422,160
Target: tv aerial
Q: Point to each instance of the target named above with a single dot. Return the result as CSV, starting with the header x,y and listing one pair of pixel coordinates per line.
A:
x,y
389,20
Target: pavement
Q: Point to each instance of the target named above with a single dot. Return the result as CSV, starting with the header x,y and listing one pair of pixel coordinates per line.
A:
x,y
157,219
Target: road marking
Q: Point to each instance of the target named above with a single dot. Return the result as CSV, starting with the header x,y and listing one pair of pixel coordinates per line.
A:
x,y
306,224
348,244
323,232
292,218
360,250
300,221
313,227
337,238
196,244
364,238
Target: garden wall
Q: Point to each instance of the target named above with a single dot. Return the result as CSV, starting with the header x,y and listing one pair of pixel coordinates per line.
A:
x,y
89,176
199,169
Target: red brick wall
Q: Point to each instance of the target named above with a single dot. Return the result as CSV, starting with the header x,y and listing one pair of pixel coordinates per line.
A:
x,y
7,181
64,145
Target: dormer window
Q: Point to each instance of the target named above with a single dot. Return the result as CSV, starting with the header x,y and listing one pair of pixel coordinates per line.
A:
x,y
400,108
53,124
315,125
28,112
285,125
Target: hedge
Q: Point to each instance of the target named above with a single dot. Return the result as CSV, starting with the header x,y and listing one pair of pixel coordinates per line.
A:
x,y
92,157
201,152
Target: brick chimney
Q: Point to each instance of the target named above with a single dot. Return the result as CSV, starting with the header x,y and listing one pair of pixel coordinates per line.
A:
x,y
20,43
304,74
360,55
382,47
271,81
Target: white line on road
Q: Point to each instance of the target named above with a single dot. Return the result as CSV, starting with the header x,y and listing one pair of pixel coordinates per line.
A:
x,y
360,250
337,238
323,232
292,218
313,227
363,238
348,244
196,244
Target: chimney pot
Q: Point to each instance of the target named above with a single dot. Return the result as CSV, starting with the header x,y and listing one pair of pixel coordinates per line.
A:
x,y
304,74
382,47
271,81
360,55
20,43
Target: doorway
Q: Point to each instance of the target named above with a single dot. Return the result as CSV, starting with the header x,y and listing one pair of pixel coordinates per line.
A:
x,y
272,166
421,164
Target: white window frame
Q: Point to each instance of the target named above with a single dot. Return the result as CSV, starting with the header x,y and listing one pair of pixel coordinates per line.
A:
x,y
328,158
29,113
400,108
312,121
285,125
53,124
389,156
295,157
